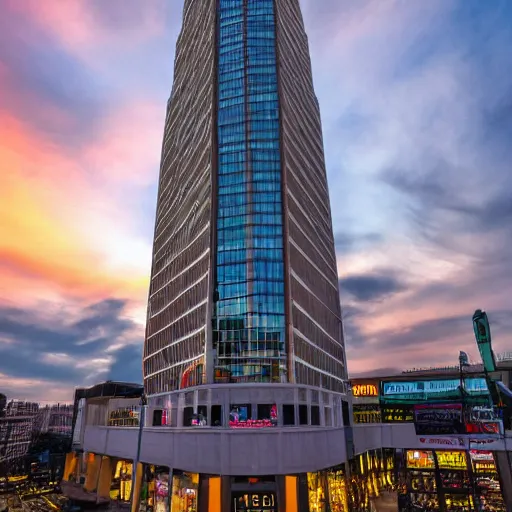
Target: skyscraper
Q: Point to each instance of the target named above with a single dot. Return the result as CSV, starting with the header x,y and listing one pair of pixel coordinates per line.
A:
x,y
244,283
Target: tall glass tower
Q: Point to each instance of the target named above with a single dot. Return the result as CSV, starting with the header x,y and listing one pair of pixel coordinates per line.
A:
x,y
244,285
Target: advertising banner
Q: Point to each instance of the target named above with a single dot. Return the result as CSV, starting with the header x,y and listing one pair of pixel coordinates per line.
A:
x,y
433,389
438,419
445,443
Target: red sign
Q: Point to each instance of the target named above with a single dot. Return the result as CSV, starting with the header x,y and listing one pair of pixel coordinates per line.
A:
x,y
483,428
252,424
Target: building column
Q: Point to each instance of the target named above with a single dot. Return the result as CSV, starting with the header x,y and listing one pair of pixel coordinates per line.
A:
x,y
505,473
93,469
139,473
70,467
105,478
214,494
291,490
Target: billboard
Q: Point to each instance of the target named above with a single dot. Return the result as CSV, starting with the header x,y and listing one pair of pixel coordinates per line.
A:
x,y
438,419
432,390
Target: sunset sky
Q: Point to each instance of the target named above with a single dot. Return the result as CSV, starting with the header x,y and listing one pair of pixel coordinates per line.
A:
x,y
416,101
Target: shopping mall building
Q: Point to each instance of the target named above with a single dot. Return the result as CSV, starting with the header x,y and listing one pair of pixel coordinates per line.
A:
x,y
247,403
414,441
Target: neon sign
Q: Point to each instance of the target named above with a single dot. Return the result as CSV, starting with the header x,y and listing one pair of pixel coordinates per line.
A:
x,y
451,460
365,390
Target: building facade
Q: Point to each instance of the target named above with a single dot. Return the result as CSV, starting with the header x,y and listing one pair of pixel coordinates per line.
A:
x,y
244,284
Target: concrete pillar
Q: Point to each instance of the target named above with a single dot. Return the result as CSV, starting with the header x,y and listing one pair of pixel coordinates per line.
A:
x,y
291,494
70,467
93,469
105,478
139,469
214,494
503,467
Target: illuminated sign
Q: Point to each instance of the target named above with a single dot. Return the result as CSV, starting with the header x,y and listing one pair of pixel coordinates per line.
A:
x,y
367,413
365,390
431,388
252,424
252,502
483,428
481,455
397,414
451,460
420,460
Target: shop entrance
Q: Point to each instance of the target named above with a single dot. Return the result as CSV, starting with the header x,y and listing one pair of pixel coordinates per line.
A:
x,y
254,495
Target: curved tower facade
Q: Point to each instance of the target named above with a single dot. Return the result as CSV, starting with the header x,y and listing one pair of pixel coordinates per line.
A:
x,y
244,285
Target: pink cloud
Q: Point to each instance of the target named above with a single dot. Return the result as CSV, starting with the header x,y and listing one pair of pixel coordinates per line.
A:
x,y
83,24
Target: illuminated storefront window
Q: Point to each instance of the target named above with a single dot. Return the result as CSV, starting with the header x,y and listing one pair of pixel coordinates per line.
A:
x,y
371,475
421,485
155,490
124,417
337,488
317,491
240,416
121,486
184,492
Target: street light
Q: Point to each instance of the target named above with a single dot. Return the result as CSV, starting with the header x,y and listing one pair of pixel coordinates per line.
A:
x,y
142,416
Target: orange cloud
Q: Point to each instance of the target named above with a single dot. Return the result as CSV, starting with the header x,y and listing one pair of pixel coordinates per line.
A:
x,y
43,206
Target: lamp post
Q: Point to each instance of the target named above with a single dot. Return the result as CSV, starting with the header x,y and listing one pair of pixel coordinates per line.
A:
x,y
463,362
142,417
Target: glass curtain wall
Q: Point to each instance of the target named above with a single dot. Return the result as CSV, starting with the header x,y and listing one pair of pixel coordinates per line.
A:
x,y
248,317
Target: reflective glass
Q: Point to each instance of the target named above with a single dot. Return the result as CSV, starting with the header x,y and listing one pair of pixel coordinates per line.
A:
x,y
248,319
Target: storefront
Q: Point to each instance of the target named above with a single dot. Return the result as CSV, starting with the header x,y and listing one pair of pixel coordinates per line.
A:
x,y
155,489
371,474
327,491
184,493
420,480
456,481
487,482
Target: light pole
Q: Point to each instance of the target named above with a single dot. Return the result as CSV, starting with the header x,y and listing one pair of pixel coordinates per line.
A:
x,y
463,361
142,416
